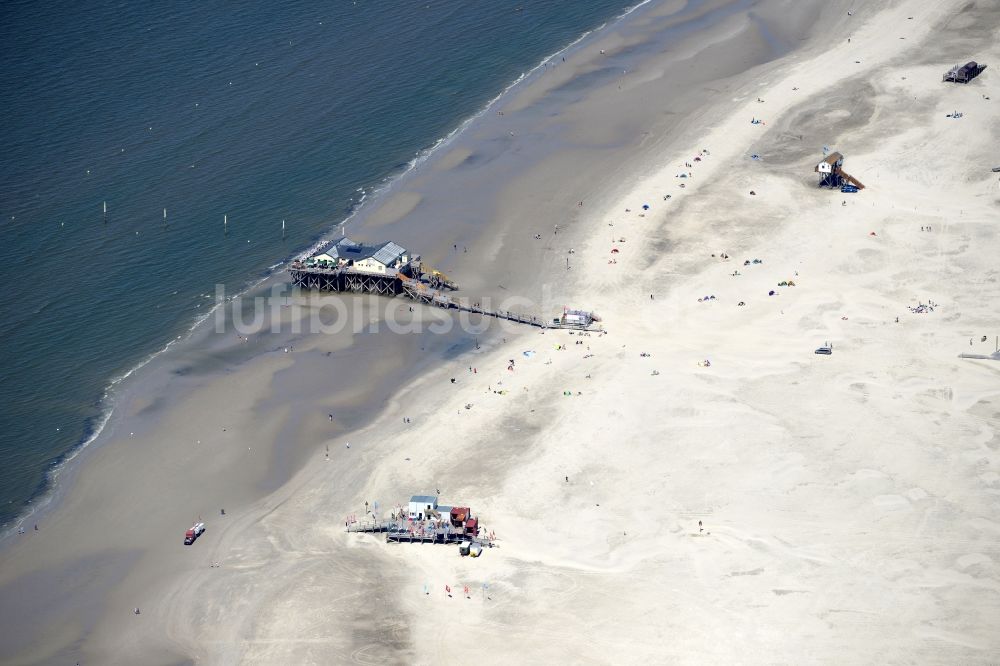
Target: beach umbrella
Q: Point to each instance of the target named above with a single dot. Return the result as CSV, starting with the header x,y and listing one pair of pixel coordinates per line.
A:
x,y
645,206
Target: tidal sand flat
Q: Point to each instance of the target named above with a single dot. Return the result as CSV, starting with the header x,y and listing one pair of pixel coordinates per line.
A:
x,y
690,484
157,153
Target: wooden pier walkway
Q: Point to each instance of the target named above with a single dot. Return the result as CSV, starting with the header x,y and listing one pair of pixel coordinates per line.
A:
x,y
405,533
420,292
398,283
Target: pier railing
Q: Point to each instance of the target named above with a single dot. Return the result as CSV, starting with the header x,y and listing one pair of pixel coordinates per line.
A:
x,y
406,532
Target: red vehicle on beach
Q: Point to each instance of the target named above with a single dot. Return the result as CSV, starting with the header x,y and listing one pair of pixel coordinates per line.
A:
x,y
192,534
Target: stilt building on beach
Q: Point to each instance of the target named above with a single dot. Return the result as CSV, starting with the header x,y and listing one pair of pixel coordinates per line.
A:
x,y
964,73
426,521
831,173
389,269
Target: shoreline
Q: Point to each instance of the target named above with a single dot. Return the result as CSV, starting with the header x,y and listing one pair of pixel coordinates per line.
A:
x,y
502,454
47,498
373,198
42,499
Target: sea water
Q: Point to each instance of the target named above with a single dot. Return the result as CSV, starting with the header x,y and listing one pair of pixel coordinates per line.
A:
x,y
253,114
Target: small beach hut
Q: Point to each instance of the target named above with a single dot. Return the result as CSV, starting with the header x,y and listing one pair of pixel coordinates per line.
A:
x,y
459,514
421,506
830,163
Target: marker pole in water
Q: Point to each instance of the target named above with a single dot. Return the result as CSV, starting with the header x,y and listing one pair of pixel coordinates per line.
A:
x,y
105,212
164,217
225,225
282,230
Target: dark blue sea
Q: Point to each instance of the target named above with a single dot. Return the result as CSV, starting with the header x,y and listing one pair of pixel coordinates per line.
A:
x,y
261,111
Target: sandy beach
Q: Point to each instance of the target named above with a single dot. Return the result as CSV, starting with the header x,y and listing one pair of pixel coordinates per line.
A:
x,y
692,484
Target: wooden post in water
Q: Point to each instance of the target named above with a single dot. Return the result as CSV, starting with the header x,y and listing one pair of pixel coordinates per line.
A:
x,y
225,225
282,230
105,212
164,217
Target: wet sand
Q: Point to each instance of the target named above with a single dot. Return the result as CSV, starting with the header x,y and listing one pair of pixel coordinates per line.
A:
x,y
845,501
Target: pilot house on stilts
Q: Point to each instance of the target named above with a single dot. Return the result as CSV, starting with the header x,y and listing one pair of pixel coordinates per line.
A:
x,y
831,173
